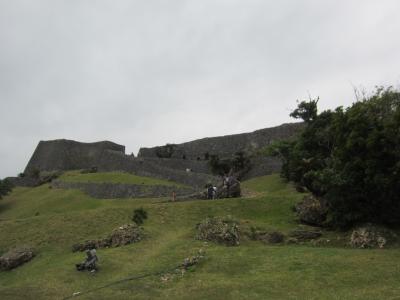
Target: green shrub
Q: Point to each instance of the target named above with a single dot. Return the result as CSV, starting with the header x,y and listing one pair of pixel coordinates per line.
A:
x,y
238,163
349,157
139,215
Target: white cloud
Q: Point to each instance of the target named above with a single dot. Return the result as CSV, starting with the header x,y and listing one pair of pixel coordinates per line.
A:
x,y
144,73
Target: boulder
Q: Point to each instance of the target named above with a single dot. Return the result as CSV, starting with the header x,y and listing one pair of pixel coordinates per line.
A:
x,y
16,257
126,234
123,235
371,236
311,211
220,230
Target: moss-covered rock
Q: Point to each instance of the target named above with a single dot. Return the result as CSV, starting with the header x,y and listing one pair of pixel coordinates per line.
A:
x,y
371,236
220,230
16,257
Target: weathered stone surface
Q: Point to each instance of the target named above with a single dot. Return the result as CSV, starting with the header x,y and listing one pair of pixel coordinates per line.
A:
x,y
311,211
305,235
116,190
61,155
371,236
220,230
16,257
229,144
28,181
126,234
24,181
261,166
123,235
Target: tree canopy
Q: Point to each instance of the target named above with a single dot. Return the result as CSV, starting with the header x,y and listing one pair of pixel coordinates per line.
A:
x,y
349,157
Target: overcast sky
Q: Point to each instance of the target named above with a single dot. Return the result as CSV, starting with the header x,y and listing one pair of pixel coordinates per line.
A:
x,y
146,73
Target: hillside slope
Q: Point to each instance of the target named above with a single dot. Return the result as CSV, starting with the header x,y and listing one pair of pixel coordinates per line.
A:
x,y
52,220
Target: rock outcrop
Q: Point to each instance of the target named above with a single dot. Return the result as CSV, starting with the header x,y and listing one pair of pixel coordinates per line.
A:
x,y
16,257
371,236
121,236
311,211
220,230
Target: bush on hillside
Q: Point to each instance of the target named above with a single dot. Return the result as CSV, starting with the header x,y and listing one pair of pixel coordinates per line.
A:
x,y
139,215
5,187
349,157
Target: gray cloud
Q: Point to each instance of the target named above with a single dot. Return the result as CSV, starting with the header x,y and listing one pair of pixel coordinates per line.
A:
x,y
144,73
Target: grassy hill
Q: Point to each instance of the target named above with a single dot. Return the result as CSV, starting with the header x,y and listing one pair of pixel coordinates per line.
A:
x,y
52,220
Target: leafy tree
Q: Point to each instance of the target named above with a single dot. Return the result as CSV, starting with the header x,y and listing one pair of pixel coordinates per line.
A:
x,y
239,163
349,157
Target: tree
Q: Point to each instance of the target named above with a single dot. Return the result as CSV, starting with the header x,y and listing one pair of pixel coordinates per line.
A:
x,y
349,157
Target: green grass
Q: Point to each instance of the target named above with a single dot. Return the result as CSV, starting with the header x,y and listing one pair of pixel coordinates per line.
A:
x,y
251,271
114,177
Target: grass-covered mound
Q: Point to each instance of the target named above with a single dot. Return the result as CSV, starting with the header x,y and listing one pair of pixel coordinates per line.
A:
x,y
52,220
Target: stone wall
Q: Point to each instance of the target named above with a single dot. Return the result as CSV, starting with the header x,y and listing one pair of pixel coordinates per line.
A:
x,y
229,144
68,155
64,155
24,181
115,161
263,166
110,190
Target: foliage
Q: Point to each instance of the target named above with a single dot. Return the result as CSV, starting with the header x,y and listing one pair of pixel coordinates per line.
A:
x,y
350,157
5,187
139,215
238,163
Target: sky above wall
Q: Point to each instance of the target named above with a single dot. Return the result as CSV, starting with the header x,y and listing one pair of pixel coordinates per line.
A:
x,y
146,73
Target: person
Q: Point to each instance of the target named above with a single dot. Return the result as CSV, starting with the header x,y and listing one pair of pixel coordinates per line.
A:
x,y
214,196
173,196
210,191
90,262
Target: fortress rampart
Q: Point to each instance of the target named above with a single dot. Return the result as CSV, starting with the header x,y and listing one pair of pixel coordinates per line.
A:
x,y
64,155
224,145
